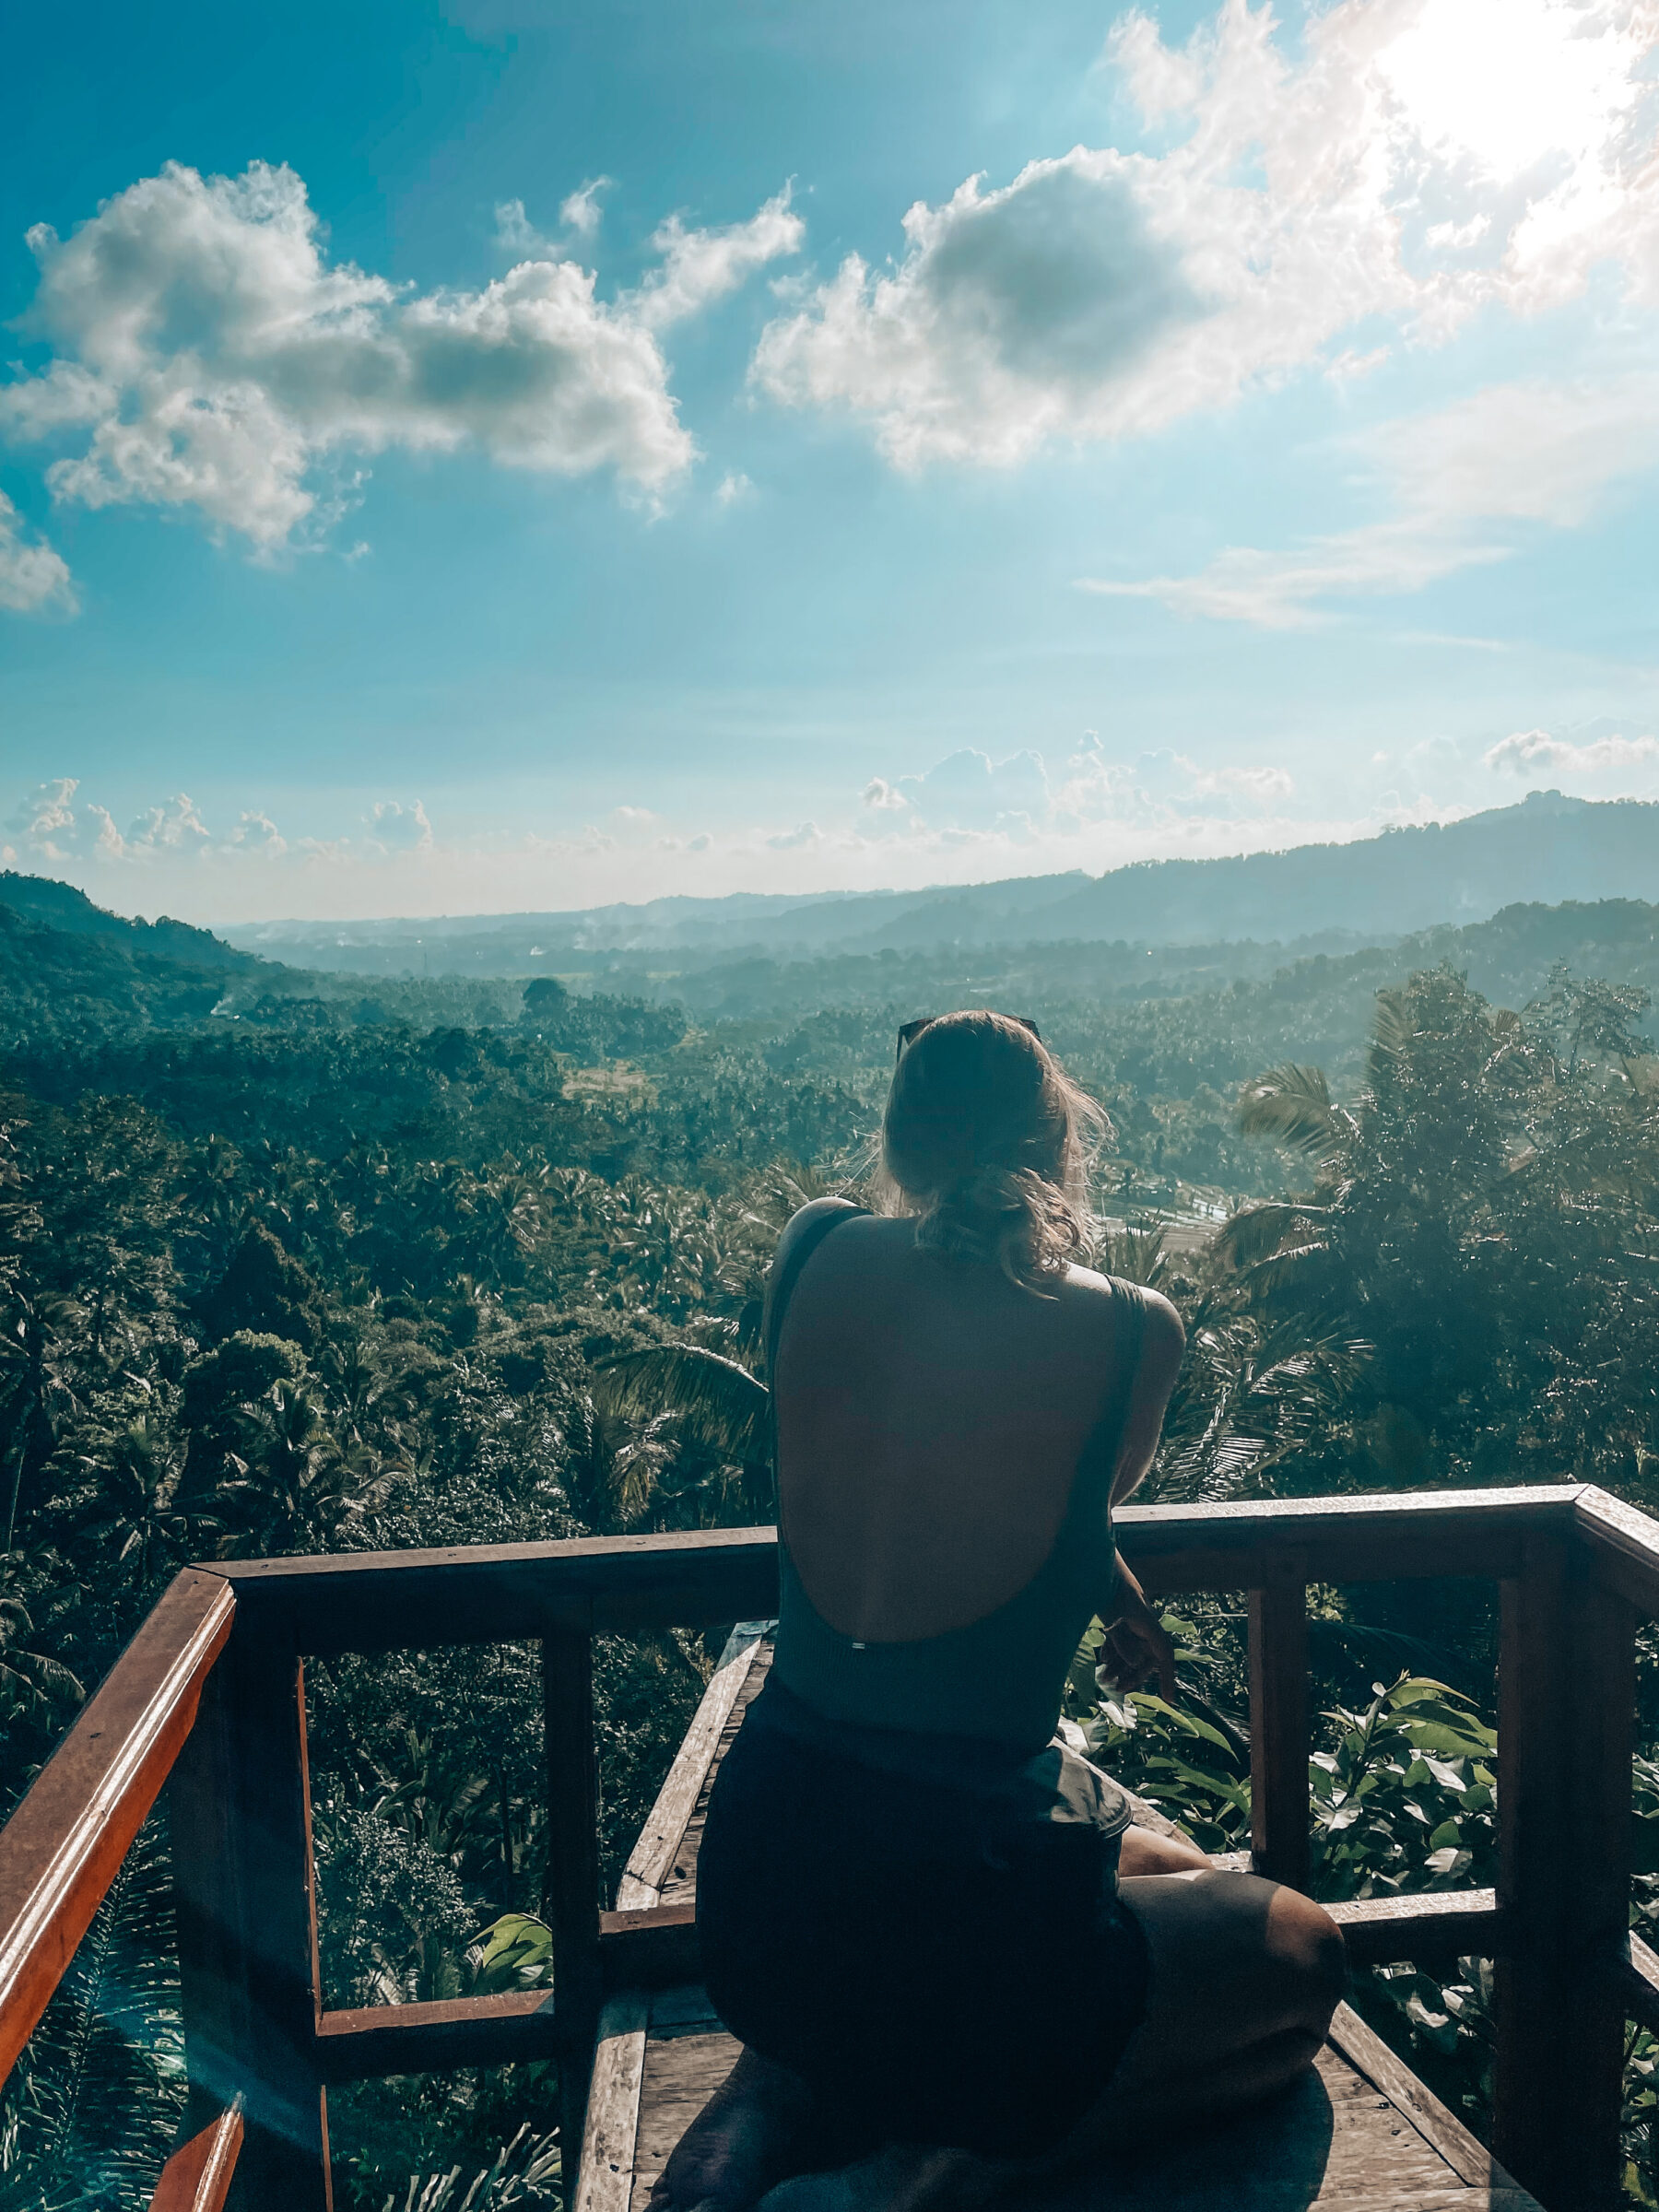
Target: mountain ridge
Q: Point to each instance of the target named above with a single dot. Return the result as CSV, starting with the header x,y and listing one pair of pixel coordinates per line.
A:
x,y
1545,849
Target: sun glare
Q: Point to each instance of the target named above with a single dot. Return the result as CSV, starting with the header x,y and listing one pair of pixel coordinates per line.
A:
x,y
1509,81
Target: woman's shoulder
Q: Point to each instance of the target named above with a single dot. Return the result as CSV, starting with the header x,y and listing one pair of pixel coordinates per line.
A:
x,y
804,1224
1163,1334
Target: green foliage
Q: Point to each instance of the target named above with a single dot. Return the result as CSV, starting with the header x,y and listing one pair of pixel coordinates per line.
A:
x,y
88,2116
283,1269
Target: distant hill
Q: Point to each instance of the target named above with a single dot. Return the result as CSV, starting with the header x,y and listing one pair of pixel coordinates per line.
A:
x,y
59,906
1545,850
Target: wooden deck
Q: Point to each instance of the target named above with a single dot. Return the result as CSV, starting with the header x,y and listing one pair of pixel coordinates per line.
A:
x,y
1361,2134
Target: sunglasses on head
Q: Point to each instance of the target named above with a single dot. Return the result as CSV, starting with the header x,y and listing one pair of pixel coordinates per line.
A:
x,y
912,1030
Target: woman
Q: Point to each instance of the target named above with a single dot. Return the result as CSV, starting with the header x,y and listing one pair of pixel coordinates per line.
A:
x,y
925,1920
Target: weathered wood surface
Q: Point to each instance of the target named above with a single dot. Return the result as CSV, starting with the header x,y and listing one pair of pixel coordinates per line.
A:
x,y
1623,1543
1278,1723
1361,2136
1634,1970
394,1601
197,2177
403,1600
1437,1924
652,1863
1387,1538
64,1845
1565,1703
1341,2143
609,2143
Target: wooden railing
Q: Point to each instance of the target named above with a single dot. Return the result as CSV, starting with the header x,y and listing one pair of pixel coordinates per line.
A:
x,y
211,1691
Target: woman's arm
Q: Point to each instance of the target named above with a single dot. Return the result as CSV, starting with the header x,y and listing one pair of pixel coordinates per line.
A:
x,y
1138,1644
1162,1344
800,1227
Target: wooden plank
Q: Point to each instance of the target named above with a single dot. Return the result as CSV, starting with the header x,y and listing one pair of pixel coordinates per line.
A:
x,y
1280,1806
649,1949
652,1859
377,2040
681,2072
1439,1923
64,1845
1469,2157
1635,1973
1567,1695
394,1601
681,1885
498,1594
572,1892
1395,1536
1431,2200
247,1955
605,2183
1624,1544
197,2177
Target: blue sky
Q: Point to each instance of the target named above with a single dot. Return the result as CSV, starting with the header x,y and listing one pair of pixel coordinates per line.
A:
x,y
524,457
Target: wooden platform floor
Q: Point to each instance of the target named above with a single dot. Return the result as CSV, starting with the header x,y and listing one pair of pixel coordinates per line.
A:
x,y
1360,2135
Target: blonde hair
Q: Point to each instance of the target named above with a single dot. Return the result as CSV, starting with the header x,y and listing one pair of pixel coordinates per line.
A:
x,y
987,1141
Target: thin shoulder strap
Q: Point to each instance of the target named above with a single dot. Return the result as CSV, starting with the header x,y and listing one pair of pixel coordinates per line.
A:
x,y
1098,1461
810,1238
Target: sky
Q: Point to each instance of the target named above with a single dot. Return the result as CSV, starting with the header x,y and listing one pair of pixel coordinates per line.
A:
x,y
516,456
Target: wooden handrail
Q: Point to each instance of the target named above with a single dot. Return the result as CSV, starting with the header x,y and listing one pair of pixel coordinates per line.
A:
x,y
1397,1536
197,2177
63,1847
389,1601
1624,1544
368,1602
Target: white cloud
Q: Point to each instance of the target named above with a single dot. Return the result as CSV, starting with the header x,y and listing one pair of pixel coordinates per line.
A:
x,y
732,486
580,211
515,233
1102,294
33,575
394,828
968,790
1530,750
1463,482
221,363
699,267
886,797
46,820
257,835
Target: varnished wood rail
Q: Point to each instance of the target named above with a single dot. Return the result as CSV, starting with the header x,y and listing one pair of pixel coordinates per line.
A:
x,y
225,1710
63,1847
197,2177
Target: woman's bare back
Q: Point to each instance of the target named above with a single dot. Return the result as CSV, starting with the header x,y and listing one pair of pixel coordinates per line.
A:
x,y
930,1420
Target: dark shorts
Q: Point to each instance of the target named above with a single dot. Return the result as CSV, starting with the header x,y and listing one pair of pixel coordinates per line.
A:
x,y
939,1969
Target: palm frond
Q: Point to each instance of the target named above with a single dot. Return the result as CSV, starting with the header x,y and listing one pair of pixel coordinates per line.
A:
x,y
1292,1106
714,1402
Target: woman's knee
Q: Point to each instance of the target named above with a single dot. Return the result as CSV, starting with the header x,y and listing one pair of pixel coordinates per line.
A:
x,y
1142,1853
1307,1946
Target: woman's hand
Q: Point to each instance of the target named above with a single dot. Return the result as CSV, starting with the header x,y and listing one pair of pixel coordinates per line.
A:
x,y
1138,1644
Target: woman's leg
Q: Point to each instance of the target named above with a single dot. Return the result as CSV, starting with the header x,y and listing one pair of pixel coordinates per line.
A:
x,y
1246,1977
754,2131
1143,1853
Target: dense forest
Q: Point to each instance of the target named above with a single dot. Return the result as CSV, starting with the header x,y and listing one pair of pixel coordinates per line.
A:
x,y
292,1262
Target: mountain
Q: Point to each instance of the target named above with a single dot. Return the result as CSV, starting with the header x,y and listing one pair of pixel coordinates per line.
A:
x,y
59,906
1545,850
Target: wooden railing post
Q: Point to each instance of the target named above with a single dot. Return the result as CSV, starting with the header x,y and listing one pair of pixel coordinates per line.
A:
x,y
572,1884
1279,1804
247,1930
1565,1705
